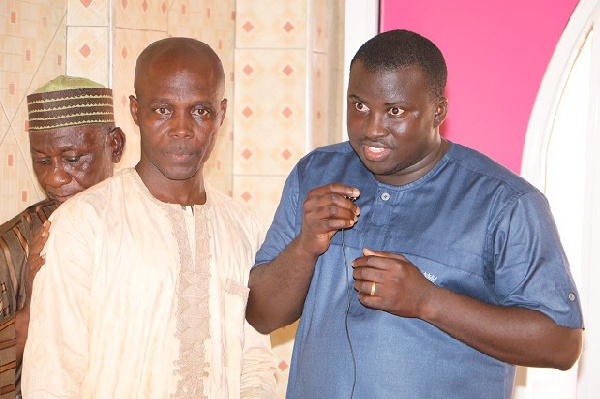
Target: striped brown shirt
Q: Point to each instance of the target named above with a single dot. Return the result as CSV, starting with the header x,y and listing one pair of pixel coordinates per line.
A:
x,y
14,238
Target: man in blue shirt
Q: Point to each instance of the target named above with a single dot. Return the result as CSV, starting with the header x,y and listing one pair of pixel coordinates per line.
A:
x,y
445,273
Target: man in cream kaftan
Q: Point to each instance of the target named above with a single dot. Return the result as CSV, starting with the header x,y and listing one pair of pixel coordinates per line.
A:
x,y
142,302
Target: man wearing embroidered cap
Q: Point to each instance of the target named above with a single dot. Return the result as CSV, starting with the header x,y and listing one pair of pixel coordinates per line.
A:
x,y
73,144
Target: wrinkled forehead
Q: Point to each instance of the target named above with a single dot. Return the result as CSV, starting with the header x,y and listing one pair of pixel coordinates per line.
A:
x,y
59,139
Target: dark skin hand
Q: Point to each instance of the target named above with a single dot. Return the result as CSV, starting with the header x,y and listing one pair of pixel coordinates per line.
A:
x,y
34,263
278,288
514,335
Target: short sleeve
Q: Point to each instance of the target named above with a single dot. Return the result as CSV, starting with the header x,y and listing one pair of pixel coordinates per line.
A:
x,y
531,268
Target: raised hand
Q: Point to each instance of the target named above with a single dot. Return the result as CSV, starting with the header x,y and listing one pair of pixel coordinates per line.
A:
x,y
327,209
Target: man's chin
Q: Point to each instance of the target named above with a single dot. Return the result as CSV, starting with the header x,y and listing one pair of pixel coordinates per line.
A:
x,y
59,200
181,175
376,168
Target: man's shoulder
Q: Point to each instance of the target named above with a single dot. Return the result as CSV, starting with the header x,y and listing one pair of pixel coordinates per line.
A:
x,y
120,180
327,157
100,191
482,167
41,210
225,203
234,216
93,202
342,149
334,163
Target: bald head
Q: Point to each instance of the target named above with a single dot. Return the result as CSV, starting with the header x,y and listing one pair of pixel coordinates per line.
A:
x,y
179,106
183,52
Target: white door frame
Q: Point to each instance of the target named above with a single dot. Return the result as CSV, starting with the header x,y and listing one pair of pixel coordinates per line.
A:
x,y
361,23
539,133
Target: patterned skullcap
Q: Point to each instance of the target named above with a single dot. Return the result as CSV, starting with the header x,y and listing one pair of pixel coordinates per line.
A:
x,y
69,101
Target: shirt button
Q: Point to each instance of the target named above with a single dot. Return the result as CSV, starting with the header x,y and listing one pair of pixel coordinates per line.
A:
x,y
571,296
385,196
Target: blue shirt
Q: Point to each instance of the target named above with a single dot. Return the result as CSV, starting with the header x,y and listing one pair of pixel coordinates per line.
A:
x,y
470,226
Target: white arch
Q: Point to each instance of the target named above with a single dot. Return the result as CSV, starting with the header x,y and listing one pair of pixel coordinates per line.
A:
x,y
539,129
535,167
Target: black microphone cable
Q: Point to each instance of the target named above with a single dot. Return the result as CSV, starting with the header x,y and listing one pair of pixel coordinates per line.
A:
x,y
348,294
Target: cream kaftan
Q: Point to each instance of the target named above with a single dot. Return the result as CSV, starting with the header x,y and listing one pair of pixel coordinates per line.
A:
x,y
124,309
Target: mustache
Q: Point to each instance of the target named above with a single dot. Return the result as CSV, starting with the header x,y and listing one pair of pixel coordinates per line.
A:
x,y
375,143
180,150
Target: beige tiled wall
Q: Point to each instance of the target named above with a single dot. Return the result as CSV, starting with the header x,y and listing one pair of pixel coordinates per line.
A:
x,y
286,62
282,60
32,51
99,39
288,100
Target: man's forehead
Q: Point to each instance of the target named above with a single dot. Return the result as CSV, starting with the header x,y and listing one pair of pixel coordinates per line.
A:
x,y
188,85
361,67
67,137
406,75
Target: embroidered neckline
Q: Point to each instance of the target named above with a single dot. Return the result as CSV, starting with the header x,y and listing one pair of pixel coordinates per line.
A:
x,y
193,315
193,293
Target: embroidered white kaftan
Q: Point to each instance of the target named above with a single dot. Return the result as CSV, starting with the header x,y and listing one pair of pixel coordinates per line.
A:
x,y
125,308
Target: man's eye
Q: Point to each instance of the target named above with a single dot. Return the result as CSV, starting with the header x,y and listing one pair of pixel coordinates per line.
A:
x,y
360,107
42,161
161,111
200,112
395,111
72,159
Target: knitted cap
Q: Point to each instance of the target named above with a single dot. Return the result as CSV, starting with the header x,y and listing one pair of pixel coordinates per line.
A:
x,y
69,101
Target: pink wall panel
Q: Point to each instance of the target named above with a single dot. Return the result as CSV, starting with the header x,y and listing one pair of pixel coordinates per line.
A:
x,y
497,53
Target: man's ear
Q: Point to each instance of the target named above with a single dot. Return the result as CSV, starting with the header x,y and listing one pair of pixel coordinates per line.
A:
x,y
441,110
116,139
133,108
223,110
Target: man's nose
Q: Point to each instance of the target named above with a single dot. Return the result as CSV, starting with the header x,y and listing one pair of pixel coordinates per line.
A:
x,y
375,126
57,176
182,125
